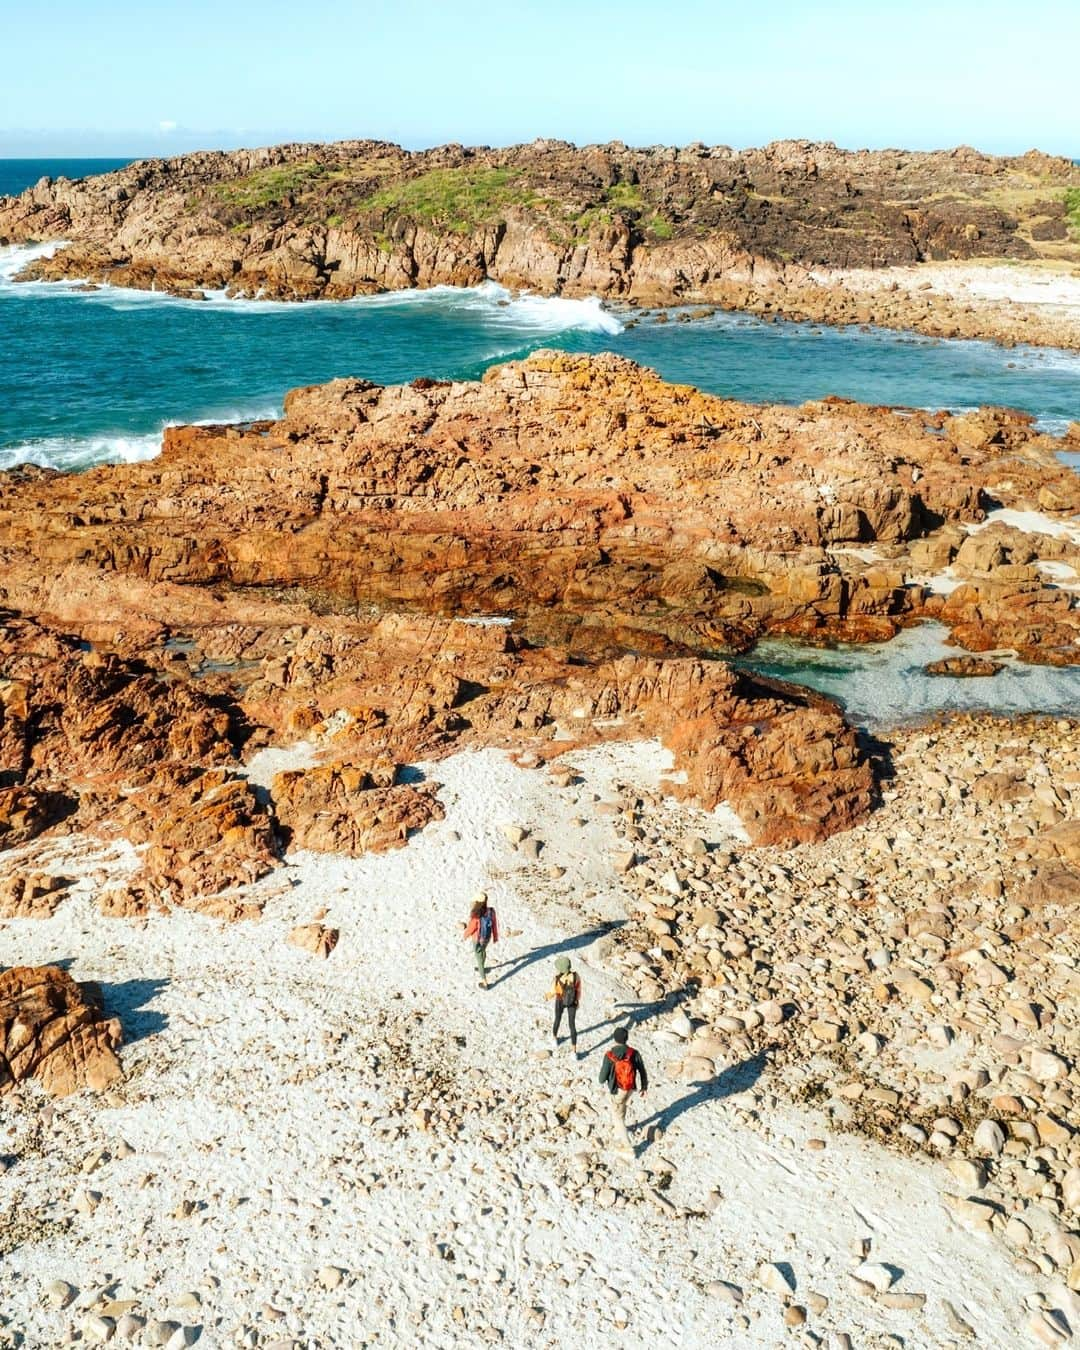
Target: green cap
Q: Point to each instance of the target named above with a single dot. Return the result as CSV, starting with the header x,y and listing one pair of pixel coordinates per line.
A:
x,y
562,965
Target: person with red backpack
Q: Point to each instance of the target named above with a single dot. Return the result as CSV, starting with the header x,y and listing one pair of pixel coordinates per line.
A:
x,y
482,927
622,1071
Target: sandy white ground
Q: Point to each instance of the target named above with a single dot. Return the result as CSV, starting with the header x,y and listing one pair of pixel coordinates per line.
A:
x,y
1019,283
1030,522
249,1081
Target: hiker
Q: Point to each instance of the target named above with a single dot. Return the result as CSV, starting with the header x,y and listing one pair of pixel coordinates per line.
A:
x,y
482,928
622,1071
566,991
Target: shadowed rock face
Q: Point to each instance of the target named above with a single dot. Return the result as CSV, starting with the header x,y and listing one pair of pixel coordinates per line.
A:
x,y
296,579
659,224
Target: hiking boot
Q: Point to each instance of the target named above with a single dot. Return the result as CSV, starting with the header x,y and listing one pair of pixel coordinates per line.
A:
x,y
483,984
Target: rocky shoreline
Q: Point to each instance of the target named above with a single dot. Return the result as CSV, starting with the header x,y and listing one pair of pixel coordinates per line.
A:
x,y
920,302
275,704
255,585
780,231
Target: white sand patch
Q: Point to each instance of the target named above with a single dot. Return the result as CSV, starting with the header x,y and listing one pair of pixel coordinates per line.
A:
x,y
1061,575
867,555
257,1078
265,764
1016,283
940,583
1030,522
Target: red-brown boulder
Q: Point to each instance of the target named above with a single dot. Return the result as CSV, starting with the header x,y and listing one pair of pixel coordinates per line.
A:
x,y
53,1030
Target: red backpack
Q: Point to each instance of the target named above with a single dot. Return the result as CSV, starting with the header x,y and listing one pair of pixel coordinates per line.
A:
x,y
625,1073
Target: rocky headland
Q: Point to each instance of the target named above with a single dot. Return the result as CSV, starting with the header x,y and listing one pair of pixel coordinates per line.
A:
x,y
795,229
276,703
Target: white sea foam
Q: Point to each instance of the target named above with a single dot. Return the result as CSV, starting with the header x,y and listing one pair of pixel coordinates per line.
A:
x,y
14,257
77,452
523,312
73,453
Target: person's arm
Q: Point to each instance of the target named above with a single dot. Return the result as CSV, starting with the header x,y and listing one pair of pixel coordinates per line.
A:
x,y
552,992
577,990
605,1070
494,926
643,1077
472,928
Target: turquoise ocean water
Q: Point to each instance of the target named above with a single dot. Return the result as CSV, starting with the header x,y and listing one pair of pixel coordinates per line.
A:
x,y
89,376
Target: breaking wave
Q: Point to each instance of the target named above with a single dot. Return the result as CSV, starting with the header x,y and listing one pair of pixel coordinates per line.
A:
x,y
71,454
14,257
489,302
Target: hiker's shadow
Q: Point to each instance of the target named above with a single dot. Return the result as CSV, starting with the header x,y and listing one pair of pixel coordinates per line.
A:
x,y
639,1013
735,1078
516,964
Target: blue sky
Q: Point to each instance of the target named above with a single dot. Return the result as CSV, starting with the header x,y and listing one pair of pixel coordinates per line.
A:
x,y
116,78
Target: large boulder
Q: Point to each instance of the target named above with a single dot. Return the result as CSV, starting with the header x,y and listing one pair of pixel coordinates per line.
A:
x,y
53,1030
352,808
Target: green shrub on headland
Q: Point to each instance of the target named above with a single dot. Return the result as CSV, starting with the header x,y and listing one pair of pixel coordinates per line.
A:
x,y
267,187
458,200
1072,209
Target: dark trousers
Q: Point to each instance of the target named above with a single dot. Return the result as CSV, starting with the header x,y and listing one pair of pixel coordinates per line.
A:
x,y
571,1017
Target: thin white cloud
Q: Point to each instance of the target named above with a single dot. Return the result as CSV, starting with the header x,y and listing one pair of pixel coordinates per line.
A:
x,y
167,126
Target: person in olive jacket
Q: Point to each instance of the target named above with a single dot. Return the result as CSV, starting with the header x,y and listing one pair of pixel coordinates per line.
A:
x,y
566,991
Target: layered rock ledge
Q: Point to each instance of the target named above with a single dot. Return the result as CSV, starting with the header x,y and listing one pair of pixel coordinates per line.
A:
x,y
602,508
555,555
773,230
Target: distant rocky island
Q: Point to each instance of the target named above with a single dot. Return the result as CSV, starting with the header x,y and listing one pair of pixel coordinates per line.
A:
x,y
791,229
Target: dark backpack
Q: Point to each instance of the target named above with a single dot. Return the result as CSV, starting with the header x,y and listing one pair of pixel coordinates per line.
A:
x,y
567,986
484,927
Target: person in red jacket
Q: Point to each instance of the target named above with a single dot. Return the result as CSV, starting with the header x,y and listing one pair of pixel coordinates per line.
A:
x,y
482,928
622,1071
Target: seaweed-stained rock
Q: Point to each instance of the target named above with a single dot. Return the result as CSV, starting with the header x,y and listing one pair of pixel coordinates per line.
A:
x,y
965,667
53,1030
